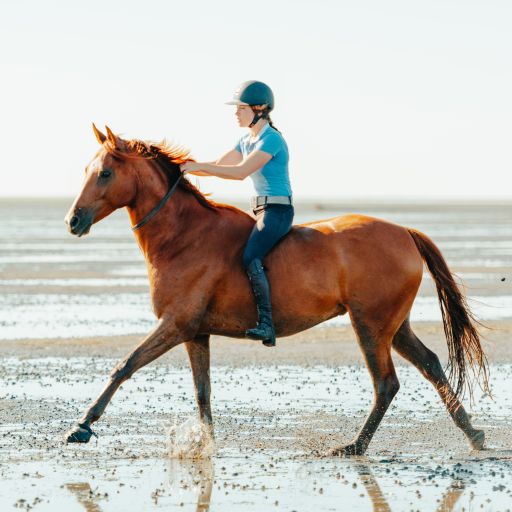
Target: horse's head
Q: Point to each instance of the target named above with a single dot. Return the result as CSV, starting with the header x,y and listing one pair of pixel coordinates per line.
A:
x,y
110,183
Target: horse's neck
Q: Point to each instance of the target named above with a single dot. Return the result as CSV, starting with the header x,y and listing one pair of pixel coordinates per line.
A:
x,y
171,229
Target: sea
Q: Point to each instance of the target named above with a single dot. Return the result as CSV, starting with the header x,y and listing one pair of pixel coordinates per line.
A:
x,y
54,285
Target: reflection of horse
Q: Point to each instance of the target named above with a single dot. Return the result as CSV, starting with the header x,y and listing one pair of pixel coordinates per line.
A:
x,y
380,504
451,496
196,474
84,495
366,266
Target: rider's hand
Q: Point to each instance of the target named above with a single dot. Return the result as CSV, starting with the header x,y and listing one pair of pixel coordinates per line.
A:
x,y
189,167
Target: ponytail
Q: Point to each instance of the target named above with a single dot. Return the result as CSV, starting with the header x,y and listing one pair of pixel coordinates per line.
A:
x,y
272,124
264,113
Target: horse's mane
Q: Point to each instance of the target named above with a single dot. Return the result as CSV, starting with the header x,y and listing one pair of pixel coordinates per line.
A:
x,y
168,157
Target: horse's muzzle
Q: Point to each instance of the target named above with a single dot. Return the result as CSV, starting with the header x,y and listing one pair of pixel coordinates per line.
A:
x,y
79,221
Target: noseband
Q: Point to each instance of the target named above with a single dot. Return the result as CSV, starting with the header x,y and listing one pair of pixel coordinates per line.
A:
x,y
158,207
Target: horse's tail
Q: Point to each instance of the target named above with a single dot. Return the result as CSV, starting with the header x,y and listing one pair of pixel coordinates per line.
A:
x,y
464,349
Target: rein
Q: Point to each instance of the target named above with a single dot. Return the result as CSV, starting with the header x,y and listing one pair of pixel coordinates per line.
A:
x,y
158,207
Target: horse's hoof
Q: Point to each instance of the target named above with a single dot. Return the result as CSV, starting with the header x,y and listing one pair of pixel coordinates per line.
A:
x,y
346,451
477,440
79,434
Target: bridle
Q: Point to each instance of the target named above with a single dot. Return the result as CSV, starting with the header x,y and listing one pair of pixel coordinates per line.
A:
x,y
159,206
162,202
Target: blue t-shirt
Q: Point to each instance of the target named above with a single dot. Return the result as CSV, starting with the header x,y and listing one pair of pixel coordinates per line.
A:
x,y
272,179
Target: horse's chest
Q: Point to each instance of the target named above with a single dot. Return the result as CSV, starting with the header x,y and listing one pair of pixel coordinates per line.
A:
x,y
160,296
167,295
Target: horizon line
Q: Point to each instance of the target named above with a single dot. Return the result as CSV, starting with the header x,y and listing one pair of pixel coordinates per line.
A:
x,y
319,200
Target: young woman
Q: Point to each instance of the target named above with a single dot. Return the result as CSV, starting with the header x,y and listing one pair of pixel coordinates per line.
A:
x,y
261,154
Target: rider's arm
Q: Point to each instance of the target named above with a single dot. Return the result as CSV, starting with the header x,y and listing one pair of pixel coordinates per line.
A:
x,y
232,157
239,171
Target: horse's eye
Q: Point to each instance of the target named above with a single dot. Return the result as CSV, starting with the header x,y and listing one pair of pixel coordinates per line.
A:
x,y
105,173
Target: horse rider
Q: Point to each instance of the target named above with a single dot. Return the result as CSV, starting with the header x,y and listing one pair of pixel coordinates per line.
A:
x,y
262,154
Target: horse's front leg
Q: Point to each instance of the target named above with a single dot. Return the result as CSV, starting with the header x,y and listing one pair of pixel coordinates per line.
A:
x,y
163,338
199,353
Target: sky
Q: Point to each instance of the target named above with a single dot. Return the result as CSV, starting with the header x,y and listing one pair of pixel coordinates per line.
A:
x,y
383,100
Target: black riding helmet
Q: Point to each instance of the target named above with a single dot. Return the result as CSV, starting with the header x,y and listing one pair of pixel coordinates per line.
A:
x,y
254,93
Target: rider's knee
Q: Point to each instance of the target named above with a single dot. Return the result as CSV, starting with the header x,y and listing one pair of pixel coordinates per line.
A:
x,y
248,260
253,265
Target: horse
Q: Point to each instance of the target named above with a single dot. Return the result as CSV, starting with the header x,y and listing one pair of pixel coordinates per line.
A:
x,y
356,264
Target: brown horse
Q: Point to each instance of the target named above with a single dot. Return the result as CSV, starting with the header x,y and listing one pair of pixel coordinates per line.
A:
x,y
367,267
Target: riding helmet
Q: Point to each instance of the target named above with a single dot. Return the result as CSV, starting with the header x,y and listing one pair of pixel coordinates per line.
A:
x,y
253,92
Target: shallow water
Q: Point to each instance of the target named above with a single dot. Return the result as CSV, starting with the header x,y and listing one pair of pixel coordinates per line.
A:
x,y
269,421
266,483
55,285
63,315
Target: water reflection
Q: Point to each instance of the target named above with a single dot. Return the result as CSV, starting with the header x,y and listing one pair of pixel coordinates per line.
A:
x,y
185,476
372,487
191,482
451,496
193,475
85,496
379,503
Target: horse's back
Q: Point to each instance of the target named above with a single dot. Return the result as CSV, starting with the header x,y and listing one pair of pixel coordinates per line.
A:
x,y
346,253
351,233
348,223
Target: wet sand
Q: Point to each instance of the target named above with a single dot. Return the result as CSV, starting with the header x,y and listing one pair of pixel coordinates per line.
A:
x,y
274,410
320,345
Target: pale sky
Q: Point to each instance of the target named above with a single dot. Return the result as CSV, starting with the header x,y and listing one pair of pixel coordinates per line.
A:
x,y
395,99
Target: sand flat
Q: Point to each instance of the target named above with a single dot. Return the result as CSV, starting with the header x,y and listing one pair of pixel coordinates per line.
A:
x,y
275,410
319,345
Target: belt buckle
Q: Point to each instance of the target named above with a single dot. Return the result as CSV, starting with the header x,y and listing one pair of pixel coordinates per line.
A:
x,y
261,201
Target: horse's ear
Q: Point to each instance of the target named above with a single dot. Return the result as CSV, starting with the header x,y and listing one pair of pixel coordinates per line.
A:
x,y
113,140
100,137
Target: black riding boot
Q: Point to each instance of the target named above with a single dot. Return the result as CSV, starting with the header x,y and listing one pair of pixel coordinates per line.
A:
x,y
264,330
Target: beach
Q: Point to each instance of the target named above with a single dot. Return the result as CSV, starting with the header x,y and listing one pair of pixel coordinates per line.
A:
x,y
71,309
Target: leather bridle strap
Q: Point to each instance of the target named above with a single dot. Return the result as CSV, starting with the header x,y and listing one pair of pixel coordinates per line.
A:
x,y
158,207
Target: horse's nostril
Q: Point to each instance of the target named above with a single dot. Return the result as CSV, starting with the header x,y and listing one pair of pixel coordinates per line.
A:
x,y
73,222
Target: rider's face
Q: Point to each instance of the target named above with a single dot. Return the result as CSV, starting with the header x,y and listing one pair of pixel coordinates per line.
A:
x,y
244,115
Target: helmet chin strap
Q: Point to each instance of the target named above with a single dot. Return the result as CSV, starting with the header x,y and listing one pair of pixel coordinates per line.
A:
x,y
255,119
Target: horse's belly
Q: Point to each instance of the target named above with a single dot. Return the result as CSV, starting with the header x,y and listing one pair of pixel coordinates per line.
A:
x,y
289,318
288,322
302,297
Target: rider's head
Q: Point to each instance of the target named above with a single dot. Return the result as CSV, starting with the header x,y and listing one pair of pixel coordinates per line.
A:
x,y
254,101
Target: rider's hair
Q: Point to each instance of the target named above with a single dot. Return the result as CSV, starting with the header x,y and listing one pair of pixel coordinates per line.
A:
x,y
272,124
265,114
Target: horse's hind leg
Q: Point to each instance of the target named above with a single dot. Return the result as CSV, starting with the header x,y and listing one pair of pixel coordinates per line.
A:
x,y
411,348
199,353
377,352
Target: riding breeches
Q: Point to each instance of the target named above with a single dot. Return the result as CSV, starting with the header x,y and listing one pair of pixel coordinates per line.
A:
x,y
273,221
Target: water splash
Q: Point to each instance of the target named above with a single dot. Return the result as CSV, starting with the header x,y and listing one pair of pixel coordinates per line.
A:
x,y
191,439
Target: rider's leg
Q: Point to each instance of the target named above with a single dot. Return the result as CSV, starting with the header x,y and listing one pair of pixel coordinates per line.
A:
x,y
264,329
271,225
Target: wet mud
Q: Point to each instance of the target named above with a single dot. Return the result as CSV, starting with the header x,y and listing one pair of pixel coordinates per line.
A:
x,y
273,422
